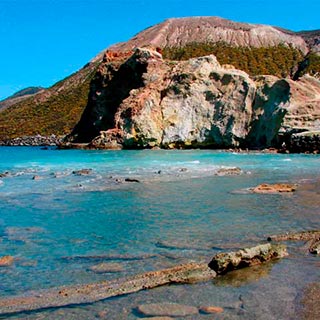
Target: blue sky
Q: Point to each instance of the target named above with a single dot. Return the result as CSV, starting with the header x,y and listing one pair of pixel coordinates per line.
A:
x,y
43,41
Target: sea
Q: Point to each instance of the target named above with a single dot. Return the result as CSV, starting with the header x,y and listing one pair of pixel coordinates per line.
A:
x,y
143,210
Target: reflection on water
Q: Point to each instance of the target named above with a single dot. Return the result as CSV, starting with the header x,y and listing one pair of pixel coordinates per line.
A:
x,y
244,276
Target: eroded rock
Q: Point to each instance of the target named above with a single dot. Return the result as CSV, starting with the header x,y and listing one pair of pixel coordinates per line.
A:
x,y
225,262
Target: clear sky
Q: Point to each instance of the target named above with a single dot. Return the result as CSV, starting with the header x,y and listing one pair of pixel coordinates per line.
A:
x,y
43,41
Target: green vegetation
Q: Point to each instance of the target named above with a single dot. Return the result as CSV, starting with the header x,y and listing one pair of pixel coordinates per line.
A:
x,y
310,65
54,112
279,60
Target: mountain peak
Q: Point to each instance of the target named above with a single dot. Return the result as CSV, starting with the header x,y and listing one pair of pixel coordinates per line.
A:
x,y
177,32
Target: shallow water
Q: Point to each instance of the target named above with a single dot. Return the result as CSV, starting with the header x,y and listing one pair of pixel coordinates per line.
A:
x,y
60,224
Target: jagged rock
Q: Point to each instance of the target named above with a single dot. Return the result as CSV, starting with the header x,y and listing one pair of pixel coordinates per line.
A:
x,y
167,309
225,262
274,188
6,261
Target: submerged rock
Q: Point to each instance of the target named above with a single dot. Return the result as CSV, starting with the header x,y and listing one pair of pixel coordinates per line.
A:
x,y
167,309
225,262
210,309
106,267
274,188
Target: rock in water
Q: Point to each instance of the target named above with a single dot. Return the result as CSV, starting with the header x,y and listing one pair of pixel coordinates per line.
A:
x,y
167,309
6,261
210,309
82,172
225,262
315,247
274,188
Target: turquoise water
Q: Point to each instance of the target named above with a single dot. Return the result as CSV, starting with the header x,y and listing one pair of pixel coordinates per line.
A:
x,y
60,224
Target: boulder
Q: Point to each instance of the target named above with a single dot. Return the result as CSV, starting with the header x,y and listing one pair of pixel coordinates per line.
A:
x,y
167,309
225,262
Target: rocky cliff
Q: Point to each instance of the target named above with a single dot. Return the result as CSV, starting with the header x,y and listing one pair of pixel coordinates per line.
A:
x,y
147,101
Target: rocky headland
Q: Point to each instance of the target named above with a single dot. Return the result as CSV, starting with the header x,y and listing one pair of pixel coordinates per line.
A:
x,y
197,103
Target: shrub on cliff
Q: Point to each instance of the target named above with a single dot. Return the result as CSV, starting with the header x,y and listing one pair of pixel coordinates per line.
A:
x,y
278,60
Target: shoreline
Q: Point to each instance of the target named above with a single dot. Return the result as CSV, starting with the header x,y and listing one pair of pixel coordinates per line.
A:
x,y
57,141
